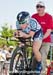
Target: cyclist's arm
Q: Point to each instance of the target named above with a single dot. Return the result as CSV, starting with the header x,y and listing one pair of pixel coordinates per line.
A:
x,y
30,34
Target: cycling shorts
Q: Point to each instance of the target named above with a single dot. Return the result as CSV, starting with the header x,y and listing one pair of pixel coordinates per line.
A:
x,y
38,35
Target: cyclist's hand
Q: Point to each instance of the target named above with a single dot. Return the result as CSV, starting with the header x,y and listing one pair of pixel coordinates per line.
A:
x,y
21,34
16,34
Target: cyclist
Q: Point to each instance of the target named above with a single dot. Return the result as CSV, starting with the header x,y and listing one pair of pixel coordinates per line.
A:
x,y
29,27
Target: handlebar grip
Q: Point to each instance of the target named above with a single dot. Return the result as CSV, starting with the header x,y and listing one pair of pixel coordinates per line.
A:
x,y
14,34
18,33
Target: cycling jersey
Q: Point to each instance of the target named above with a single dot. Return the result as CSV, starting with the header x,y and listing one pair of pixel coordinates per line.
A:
x,y
33,26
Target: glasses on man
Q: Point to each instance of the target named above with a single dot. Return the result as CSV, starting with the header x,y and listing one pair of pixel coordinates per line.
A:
x,y
39,6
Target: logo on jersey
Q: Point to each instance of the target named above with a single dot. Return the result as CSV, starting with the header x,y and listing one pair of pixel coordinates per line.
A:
x,y
43,23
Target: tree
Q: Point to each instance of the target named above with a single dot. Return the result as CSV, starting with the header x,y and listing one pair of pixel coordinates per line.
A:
x,y
6,32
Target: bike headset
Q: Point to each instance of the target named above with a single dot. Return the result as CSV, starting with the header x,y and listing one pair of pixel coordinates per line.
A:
x,y
23,17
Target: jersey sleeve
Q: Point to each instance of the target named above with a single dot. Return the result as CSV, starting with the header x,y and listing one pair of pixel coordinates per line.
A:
x,y
35,26
27,29
17,25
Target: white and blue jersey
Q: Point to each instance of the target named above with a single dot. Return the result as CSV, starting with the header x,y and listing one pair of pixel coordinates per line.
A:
x,y
33,26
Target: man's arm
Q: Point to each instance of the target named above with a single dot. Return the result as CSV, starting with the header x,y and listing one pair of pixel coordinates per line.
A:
x,y
30,34
48,32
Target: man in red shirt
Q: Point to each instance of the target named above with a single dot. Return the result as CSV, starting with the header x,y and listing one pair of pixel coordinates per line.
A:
x,y
45,20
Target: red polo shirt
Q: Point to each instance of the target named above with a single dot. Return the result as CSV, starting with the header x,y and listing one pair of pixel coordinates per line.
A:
x,y
45,22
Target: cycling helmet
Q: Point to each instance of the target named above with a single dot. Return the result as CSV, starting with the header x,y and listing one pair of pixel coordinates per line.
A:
x,y
23,17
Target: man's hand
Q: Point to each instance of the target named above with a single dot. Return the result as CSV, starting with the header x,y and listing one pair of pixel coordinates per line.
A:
x,y
19,33
16,34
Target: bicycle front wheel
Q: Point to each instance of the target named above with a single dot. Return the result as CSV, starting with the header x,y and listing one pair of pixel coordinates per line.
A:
x,y
17,62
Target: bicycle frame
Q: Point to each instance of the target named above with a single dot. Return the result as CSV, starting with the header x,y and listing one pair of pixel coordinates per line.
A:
x,y
26,41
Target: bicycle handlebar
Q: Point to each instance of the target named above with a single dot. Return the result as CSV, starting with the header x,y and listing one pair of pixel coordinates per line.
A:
x,y
26,41
16,39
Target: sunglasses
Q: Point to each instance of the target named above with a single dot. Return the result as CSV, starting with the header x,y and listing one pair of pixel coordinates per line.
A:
x,y
23,22
39,6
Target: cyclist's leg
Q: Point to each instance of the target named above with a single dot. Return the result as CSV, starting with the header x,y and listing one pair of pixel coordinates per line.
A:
x,y
36,48
37,54
44,52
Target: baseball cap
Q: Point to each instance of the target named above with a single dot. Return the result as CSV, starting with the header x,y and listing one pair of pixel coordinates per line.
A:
x,y
40,3
11,47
